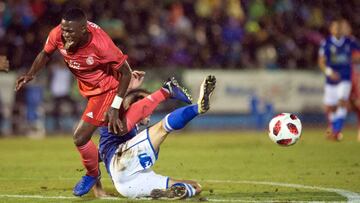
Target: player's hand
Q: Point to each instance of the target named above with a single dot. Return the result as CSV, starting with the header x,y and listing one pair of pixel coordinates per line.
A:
x,y
115,125
4,64
22,80
137,78
334,76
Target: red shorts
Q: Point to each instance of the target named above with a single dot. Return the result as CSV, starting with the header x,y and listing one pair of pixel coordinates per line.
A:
x,y
97,107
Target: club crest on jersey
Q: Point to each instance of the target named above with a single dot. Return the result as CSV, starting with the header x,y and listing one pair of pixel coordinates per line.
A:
x,y
145,160
90,60
333,49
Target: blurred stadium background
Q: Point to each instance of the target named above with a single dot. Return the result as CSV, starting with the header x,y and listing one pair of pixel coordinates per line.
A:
x,y
264,53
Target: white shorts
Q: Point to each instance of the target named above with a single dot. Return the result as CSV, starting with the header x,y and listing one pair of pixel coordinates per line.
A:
x,y
130,168
333,93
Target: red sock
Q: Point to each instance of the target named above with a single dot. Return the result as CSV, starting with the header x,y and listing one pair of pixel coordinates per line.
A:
x,y
144,107
90,159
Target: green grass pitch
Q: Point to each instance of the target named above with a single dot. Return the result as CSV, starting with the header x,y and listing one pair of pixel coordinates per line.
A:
x,y
231,167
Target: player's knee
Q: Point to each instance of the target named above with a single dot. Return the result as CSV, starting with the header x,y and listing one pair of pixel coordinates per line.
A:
x,y
330,109
343,103
79,139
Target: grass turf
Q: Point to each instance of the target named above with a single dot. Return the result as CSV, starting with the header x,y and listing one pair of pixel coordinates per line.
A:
x,y
231,166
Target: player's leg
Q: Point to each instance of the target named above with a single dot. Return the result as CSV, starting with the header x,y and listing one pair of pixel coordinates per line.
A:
x,y
343,93
330,114
178,119
93,116
355,103
193,183
357,111
89,155
130,165
146,183
177,189
144,107
330,102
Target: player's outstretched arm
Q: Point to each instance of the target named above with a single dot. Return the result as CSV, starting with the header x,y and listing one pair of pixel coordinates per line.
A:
x,y
116,125
40,61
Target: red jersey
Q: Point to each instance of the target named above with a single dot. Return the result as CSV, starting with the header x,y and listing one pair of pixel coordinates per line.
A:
x,y
355,90
95,64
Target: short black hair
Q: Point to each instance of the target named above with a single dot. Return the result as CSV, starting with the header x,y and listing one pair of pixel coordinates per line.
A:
x,y
135,95
74,14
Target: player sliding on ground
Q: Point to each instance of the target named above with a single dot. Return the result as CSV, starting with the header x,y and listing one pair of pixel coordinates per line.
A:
x,y
103,76
129,159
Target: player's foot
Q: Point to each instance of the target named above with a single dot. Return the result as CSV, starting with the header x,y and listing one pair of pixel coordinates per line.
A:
x,y
206,90
334,136
339,136
85,185
176,91
175,192
328,134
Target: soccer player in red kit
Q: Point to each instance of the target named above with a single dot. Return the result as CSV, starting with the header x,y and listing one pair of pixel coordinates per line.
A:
x,y
355,89
103,76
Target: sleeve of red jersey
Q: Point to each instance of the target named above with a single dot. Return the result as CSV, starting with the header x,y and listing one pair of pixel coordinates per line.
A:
x,y
111,54
50,44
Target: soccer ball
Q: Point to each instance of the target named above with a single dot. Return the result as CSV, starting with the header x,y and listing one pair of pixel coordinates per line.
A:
x,y
285,129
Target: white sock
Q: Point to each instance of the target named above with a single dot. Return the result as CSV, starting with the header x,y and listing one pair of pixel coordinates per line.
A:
x,y
332,116
341,112
190,190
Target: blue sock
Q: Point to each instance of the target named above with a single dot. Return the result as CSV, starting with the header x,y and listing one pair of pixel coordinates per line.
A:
x,y
340,115
339,123
334,125
180,117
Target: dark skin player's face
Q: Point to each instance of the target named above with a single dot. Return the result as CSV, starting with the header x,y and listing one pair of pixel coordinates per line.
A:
x,y
74,33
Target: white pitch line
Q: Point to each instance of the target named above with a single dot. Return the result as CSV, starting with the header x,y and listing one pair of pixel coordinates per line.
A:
x,y
268,201
351,196
146,199
35,197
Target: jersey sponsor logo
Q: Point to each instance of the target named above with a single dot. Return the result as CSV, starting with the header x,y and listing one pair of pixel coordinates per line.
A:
x,y
90,115
340,59
93,25
145,160
90,60
73,64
